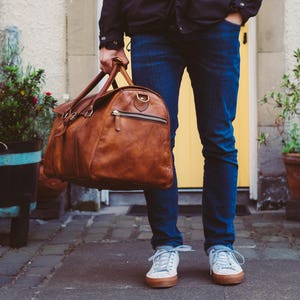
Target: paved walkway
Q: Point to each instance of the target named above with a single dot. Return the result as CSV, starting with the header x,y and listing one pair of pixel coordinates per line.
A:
x,y
104,256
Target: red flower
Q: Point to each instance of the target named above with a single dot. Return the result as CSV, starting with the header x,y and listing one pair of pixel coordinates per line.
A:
x,y
48,94
35,100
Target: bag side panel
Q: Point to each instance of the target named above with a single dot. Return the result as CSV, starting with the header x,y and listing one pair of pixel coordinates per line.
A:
x,y
87,140
139,154
53,154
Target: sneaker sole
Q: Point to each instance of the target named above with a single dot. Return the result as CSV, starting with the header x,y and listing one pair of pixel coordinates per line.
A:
x,y
161,282
228,279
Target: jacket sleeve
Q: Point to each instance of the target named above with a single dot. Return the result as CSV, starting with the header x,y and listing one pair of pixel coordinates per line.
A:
x,y
111,24
247,8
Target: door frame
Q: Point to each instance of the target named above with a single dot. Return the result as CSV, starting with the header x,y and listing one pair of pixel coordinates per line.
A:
x,y
252,84
252,77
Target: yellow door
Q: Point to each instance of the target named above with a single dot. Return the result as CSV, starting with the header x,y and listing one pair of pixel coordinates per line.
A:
x,y
188,155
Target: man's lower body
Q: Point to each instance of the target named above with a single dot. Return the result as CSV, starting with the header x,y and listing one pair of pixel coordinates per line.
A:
x,y
212,61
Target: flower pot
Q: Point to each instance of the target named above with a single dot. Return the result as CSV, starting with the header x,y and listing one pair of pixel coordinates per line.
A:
x,y
19,170
292,165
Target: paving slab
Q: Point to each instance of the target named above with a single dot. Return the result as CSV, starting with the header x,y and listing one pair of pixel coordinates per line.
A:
x,y
116,271
104,256
268,280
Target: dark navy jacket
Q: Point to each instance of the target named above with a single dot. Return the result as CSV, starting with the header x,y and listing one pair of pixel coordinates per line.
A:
x,y
142,16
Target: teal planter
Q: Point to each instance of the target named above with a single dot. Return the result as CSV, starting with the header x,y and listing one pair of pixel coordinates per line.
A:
x,y
19,171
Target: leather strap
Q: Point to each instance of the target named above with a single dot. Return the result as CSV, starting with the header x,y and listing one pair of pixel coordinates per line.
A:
x,y
117,67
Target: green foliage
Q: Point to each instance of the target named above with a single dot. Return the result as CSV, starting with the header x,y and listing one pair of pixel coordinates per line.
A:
x,y
287,105
25,111
292,142
262,138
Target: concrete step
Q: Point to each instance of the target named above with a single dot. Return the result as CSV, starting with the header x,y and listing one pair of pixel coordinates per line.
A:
x,y
186,197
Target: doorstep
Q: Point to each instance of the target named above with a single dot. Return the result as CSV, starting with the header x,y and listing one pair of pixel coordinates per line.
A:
x,y
186,197
185,210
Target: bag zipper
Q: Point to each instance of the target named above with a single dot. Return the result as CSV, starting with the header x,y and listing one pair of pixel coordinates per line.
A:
x,y
118,114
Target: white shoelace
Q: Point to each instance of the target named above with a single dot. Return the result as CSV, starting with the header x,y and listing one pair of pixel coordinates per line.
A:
x,y
226,259
163,259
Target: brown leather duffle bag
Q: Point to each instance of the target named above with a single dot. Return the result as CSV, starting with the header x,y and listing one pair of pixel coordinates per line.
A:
x,y
115,139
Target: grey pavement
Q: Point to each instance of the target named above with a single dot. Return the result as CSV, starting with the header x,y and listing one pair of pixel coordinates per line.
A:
x,y
104,256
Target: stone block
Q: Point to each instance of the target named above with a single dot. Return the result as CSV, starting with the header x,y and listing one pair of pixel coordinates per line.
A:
x,y
82,20
29,281
84,199
38,271
46,261
271,68
273,192
82,69
125,223
270,161
4,280
271,29
146,228
55,249
280,254
98,230
275,239
144,235
121,234
267,113
248,253
243,234
94,238
10,268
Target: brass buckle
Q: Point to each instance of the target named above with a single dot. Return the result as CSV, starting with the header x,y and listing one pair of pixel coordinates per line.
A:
x,y
66,114
88,113
73,116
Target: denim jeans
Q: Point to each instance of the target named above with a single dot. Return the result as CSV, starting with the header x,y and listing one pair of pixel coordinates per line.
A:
x,y
212,60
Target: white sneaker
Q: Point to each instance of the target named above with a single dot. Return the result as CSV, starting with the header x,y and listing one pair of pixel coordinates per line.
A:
x,y
224,265
163,272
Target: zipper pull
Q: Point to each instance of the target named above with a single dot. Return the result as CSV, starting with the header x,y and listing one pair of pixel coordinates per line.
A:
x,y
117,115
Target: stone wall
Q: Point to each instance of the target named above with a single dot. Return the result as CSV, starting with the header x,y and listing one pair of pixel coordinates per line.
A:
x,y
42,35
292,31
278,36
83,65
61,37
82,43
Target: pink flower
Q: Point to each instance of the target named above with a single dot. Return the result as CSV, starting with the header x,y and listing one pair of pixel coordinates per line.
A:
x,y
35,100
48,94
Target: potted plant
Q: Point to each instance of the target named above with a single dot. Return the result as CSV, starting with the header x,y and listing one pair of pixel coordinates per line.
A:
x,y
25,120
287,121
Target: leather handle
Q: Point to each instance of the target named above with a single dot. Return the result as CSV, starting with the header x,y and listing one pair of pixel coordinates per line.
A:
x,y
90,87
117,67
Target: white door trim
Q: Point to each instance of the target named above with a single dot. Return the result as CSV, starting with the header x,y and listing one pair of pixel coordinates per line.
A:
x,y
252,75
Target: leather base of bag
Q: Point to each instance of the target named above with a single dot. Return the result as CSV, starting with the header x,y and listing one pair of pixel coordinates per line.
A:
x,y
49,187
113,140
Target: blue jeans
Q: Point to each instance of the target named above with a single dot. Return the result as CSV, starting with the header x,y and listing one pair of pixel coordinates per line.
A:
x,y
212,60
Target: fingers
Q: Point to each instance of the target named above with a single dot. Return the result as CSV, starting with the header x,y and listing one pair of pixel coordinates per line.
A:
x,y
106,57
121,54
